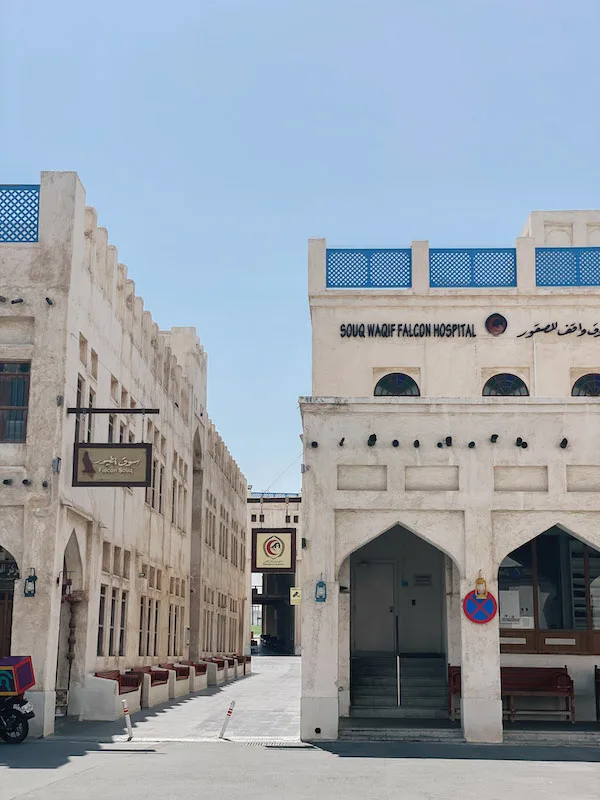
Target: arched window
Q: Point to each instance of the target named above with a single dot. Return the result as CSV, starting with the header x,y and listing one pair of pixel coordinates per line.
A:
x,y
587,386
504,385
396,384
551,584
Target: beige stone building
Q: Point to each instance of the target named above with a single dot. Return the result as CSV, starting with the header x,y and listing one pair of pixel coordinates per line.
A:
x,y
124,576
451,436
280,622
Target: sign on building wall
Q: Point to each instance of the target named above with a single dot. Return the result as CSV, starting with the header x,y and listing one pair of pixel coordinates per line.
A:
x,y
273,550
112,465
295,596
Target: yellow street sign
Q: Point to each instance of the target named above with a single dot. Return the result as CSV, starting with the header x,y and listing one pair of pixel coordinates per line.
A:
x,y
295,596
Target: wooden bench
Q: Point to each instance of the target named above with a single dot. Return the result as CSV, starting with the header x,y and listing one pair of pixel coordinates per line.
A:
x,y
157,676
597,685
199,669
182,673
220,662
127,683
524,682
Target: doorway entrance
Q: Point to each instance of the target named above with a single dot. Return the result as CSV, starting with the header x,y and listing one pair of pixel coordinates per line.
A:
x,y
9,572
397,628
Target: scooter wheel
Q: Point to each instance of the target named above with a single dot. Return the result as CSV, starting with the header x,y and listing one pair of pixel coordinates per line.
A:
x,y
17,731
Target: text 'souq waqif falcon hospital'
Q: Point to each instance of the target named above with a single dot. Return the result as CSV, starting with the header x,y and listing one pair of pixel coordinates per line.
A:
x,y
451,483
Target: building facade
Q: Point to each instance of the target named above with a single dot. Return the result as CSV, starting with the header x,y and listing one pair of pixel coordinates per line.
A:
x,y
118,571
450,437
274,618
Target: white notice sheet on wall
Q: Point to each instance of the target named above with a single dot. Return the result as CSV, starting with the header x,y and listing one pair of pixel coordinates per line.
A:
x,y
510,609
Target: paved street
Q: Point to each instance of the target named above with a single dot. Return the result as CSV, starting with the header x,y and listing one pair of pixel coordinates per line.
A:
x,y
267,707
175,754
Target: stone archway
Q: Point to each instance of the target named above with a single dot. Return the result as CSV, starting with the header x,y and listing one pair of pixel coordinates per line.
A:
x,y
396,602
9,572
71,634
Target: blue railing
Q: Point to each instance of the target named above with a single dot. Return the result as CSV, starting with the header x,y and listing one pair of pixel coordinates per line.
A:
x,y
482,268
567,266
369,269
467,268
19,213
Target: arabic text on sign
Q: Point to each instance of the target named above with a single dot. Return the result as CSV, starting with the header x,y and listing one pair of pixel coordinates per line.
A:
x,y
574,327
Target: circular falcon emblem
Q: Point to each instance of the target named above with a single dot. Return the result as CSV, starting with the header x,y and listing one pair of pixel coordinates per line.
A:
x,y
496,324
273,547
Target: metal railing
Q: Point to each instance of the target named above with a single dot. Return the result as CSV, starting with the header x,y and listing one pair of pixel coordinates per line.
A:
x,y
472,268
369,269
19,213
567,266
461,268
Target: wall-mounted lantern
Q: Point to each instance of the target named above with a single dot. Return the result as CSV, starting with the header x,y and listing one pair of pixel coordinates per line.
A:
x,y
321,592
65,582
480,587
29,585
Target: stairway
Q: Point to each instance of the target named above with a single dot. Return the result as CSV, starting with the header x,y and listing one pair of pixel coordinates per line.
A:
x,y
423,687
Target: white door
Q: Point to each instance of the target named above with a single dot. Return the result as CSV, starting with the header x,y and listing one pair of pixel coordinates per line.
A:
x,y
373,612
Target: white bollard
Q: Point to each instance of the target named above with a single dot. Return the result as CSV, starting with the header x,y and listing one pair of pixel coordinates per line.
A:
x,y
127,720
227,718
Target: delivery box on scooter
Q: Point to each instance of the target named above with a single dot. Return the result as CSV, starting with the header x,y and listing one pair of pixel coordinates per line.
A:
x,y
16,675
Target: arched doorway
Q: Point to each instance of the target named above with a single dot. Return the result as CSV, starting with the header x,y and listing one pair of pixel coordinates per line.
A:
x,y
398,627
9,572
71,624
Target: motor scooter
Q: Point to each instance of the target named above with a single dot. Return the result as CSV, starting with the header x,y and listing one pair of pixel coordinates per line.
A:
x,y
15,713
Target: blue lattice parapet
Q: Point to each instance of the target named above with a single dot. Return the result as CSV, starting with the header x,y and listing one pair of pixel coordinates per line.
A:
x,y
19,213
567,266
473,268
374,269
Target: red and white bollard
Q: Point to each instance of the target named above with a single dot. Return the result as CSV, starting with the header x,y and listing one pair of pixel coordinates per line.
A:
x,y
227,718
127,720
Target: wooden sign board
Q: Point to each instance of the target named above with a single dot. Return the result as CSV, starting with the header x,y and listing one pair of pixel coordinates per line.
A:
x,y
112,464
273,550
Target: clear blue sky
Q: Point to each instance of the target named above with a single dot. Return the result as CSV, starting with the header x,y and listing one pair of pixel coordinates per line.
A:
x,y
215,137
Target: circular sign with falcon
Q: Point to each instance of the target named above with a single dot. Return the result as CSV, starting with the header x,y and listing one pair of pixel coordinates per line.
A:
x,y
480,609
273,547
496,324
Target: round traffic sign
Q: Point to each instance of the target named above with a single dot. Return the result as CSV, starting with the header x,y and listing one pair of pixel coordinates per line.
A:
x,y
480,609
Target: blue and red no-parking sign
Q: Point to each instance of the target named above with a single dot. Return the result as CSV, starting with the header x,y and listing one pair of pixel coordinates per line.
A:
x,y
480,609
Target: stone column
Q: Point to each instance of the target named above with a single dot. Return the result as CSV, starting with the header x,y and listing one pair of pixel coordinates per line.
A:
x,y
319,709
420,267
319,703
481,703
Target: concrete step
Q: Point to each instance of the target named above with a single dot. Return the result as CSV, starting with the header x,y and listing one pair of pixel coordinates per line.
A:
x,y
413,734
374,680
398,712
564,738
431,694
424,702
374,691
374,701
435,681
373,672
